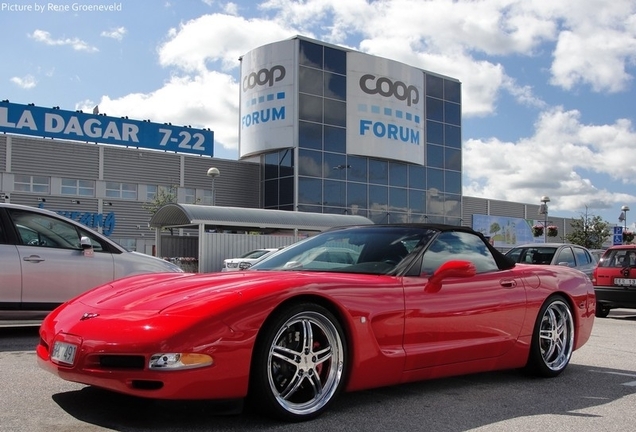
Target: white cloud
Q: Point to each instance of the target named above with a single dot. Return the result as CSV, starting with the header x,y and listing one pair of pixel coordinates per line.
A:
x,y
77,44
231,8
208,100
552,161
217,37
26,82
116,33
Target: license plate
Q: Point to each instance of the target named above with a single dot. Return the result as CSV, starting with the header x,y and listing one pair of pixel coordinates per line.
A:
x,y
625,282
64,353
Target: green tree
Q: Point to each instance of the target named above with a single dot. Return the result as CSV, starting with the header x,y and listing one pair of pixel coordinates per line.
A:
x,y
494,228
165,195
589,231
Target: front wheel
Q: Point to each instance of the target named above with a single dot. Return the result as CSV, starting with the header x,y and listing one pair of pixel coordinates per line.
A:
x,y
553,339
299,363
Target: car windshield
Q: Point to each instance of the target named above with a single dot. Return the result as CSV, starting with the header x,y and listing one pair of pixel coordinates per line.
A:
x,y
532,255
372,250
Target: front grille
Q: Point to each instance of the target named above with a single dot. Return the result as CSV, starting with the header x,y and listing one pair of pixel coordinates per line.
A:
x,y
122,361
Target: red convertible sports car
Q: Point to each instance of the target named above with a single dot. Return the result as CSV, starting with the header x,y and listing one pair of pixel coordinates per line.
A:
x,y
409,302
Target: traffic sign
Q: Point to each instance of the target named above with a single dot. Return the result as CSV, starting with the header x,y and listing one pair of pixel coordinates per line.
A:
x,y
618,235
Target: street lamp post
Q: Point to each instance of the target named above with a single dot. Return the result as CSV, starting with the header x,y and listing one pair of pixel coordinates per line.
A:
x,y
623,217
213,173
543,209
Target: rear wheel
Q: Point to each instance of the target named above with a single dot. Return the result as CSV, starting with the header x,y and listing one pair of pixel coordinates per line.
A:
x,y
602,311
299,363
553,339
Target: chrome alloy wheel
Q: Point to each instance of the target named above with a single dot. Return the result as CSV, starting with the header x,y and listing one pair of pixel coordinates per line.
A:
x,y
305,363
556,335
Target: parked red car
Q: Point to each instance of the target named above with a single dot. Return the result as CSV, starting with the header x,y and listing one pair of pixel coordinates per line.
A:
x,y
409,302
614,280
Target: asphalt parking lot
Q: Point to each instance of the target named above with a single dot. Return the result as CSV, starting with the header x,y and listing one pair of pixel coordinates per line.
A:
x,y
597,392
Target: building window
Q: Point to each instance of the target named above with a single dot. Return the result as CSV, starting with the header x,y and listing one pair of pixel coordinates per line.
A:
x,y
453,159
417,177
335,86
310,108
335,166
434,132
310,81
121,190
207,197
434,86
452,113
335,113
335,193
378,171
190,195
309,191
435,156
452,136
78,187
335,60
310,135
310,163
161,193
310,54
452,91
335,139
358,169
26,183
271,194
151,192
434,109
397,174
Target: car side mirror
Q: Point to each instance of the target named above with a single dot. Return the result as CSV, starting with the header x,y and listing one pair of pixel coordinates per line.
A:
x,y
455,268
85,243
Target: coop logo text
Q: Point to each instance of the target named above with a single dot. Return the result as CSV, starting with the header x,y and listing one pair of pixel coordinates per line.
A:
x,y
370,84
264,77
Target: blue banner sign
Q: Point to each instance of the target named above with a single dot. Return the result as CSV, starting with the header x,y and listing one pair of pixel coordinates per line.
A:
x,y
78,126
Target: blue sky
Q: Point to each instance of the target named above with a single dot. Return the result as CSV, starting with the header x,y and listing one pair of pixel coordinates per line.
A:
x,y
549,100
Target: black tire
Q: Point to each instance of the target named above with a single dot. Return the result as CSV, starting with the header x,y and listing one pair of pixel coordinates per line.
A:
x,y
299,364
602,311
552,340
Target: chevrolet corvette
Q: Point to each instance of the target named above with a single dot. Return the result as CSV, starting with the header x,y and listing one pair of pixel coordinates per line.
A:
x,y
405,303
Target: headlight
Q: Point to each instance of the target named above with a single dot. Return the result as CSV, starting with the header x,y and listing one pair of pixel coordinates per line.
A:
x,y
178,361
245,265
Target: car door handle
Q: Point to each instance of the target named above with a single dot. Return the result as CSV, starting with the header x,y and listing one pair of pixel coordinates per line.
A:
x,y
33,258
508,283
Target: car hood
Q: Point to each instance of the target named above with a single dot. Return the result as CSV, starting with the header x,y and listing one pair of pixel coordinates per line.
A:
x,y
143,263
178,292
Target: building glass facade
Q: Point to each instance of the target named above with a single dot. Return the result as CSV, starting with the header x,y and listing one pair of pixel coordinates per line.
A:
x,y
331,181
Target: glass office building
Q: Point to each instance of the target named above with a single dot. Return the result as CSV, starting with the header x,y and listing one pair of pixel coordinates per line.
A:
x,y
339,131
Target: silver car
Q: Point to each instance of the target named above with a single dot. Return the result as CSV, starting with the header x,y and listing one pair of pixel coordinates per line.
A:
x,y
569,255
46,259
